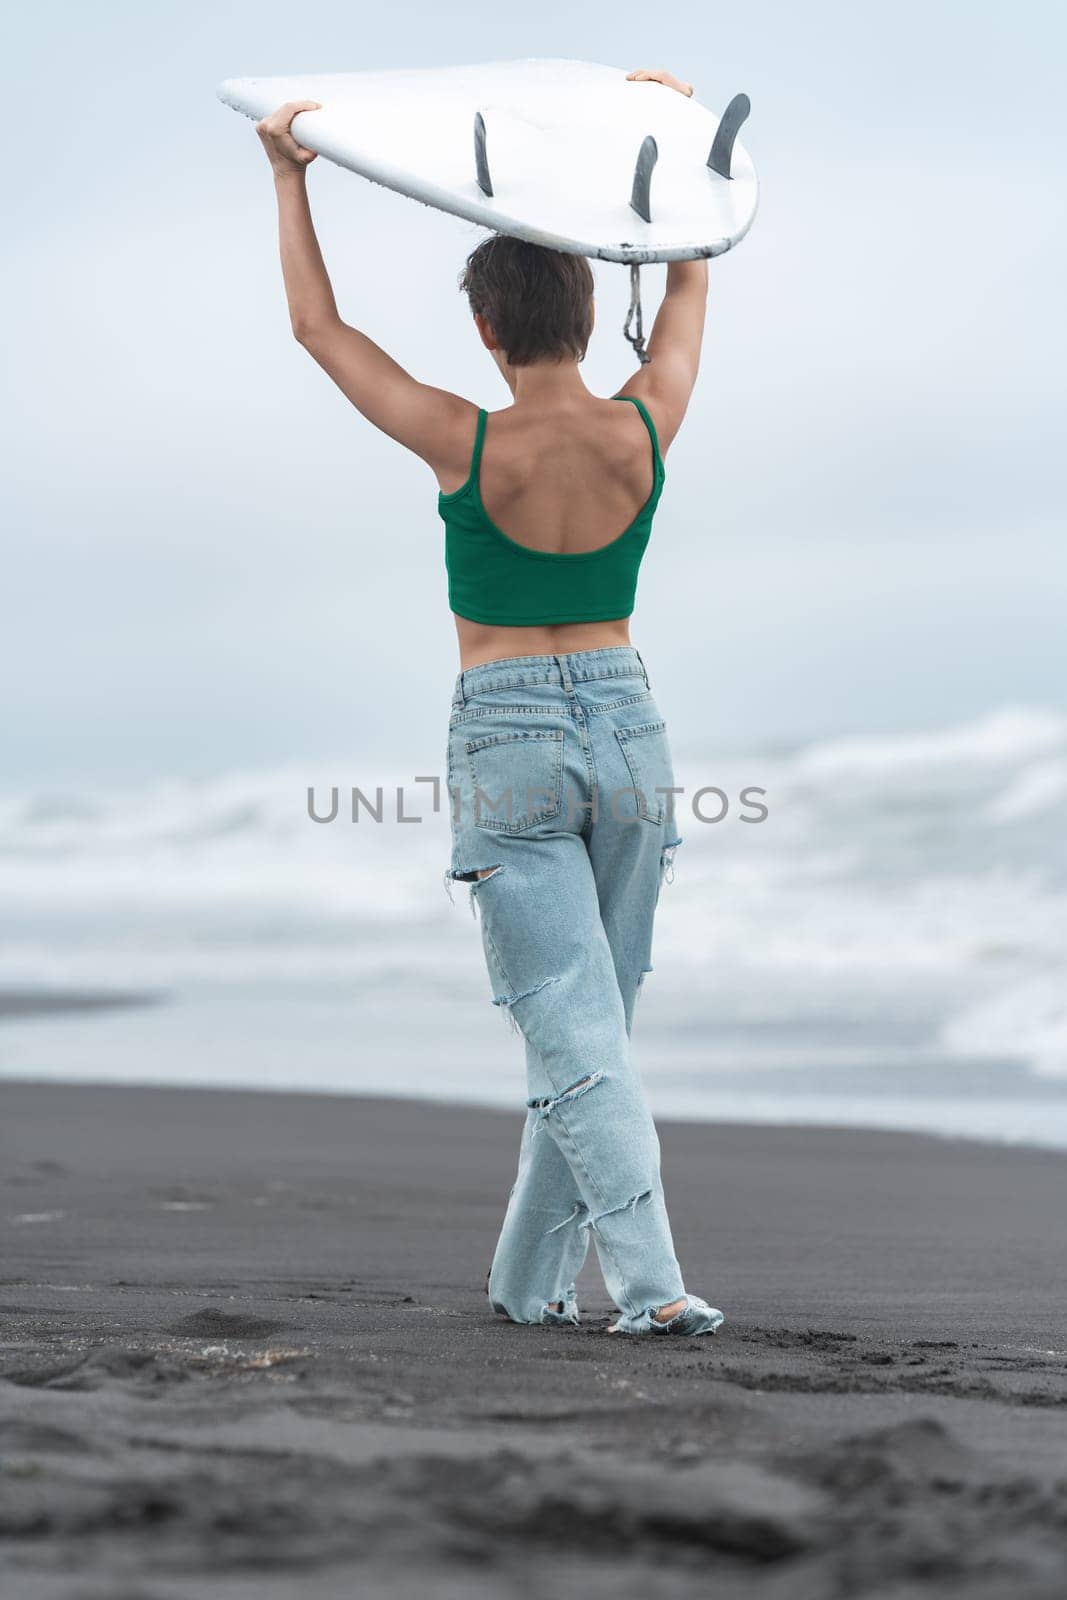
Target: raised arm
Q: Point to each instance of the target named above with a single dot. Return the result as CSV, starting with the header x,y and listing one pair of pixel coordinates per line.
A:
x,y
434,423
667,380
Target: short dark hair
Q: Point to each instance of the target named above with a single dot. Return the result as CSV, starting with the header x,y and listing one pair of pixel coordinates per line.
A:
x,y
538,302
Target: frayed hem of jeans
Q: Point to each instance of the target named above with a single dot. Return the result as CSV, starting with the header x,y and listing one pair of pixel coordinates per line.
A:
x,y
696,1317
545,1317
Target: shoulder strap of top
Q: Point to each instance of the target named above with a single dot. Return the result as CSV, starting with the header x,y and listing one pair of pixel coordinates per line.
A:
x,y
479,436
649,424
472,471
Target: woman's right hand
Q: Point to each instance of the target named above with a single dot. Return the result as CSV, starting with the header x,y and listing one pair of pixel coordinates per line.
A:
x,y
659,75
283,152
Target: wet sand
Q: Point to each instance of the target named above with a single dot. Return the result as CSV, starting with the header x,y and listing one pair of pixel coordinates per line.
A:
x,y
247,1352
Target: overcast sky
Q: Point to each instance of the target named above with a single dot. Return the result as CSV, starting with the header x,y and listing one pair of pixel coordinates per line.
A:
x,y
210,560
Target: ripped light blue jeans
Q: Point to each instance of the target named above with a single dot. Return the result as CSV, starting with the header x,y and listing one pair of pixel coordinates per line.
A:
x,y
559,773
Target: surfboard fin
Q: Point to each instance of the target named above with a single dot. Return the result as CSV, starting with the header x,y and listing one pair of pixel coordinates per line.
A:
x,y
647,157
481,162
722,147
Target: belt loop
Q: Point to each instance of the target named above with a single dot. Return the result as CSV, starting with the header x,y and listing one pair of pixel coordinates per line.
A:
x,y
565,674
458,698
644,669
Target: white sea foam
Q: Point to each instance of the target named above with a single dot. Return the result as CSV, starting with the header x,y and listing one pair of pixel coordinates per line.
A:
x,y
1004,738
1027,1018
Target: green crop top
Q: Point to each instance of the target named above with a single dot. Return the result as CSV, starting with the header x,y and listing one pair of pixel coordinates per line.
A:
x,y
494,579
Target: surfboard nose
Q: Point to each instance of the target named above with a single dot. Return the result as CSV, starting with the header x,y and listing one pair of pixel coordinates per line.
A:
x,y
233,91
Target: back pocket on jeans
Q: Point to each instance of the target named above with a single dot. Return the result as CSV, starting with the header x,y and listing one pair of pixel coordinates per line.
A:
x,y
517,778
648,760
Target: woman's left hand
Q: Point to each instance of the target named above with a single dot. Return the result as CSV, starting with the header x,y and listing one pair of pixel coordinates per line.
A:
x,y
659,75
283,152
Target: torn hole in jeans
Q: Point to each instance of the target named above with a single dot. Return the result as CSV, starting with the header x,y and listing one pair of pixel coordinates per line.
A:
x,y
627,1205
475,877
506,1001
586,1221
666,861
550,1102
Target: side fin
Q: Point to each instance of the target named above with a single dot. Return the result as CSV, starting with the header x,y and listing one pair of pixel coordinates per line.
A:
x,y
481,163
647,157
722,147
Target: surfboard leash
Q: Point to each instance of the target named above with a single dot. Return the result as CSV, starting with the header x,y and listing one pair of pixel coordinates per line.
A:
x,y
637,339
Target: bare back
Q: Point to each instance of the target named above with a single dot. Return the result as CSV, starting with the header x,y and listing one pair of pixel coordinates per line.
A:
x,y
565,479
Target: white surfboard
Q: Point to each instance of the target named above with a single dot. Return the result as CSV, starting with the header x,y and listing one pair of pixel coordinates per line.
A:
x,y
564,153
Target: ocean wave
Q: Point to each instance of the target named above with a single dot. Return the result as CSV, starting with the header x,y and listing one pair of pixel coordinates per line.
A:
x,y
1026,1018
1004,738
905,892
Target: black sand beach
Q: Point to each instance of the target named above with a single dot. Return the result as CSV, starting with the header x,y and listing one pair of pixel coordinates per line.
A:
x,y
247,1352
